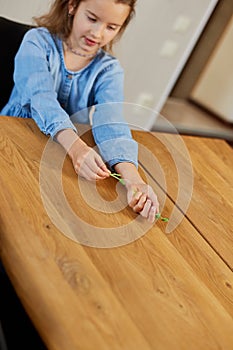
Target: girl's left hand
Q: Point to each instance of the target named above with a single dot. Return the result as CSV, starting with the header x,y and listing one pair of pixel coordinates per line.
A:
x,y
142,199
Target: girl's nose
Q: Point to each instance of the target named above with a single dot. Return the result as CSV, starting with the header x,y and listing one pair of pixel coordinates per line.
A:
x,y
97,30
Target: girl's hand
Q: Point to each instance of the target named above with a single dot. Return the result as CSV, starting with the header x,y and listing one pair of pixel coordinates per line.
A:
x,y
87,162
142,199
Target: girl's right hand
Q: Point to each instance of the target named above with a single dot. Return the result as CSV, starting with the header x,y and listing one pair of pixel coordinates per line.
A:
x,y
87,162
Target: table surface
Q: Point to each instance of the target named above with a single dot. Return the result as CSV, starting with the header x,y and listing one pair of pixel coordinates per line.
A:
x,y
90,273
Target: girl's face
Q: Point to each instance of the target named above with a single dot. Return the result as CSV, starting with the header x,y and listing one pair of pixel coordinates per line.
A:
x,y
96,23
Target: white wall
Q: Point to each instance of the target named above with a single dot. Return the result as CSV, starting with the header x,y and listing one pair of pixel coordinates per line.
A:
x,y
154,48
151,70
23,10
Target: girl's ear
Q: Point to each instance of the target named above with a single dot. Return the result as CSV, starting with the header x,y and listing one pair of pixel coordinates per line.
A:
x,y
70,7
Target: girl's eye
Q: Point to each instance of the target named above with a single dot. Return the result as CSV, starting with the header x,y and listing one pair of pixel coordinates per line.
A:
x,y
111,28
91,19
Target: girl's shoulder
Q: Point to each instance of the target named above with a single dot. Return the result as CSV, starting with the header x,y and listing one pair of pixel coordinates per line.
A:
x,y
39,35
37,31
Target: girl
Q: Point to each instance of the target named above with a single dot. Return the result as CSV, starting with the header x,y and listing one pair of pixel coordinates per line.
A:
x,y
64,66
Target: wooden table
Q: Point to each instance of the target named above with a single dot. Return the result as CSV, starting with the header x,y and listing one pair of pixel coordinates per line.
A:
x,y
150,287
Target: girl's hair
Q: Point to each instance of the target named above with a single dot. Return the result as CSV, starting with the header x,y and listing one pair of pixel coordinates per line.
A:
x,y
58,22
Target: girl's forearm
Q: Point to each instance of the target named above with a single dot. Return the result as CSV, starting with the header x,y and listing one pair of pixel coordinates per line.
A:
x,y
128,172
67,138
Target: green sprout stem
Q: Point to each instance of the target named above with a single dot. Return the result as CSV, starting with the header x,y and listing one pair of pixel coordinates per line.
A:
x,y
118,177
159,216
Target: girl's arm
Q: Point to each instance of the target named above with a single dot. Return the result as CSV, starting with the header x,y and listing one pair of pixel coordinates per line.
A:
x,y
114,140
35,84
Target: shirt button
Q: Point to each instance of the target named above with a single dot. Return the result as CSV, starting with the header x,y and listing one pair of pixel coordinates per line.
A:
x,y
69,76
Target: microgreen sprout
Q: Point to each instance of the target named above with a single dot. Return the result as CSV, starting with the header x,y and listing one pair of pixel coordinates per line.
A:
x,y
159,216
118,177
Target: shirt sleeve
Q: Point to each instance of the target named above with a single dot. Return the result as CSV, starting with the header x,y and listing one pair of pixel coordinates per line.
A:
x,y
110,129
32,76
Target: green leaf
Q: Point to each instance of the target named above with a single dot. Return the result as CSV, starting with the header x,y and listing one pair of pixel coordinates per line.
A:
x,y
165,219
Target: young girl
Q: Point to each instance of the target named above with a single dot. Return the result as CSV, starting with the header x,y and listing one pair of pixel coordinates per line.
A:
x,y
65,65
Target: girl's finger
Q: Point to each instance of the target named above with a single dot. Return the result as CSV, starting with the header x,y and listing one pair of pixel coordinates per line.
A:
x,y
135,198
140,204
146,209
152,212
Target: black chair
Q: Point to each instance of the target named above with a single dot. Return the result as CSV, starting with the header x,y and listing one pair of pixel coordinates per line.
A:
x,y
11,34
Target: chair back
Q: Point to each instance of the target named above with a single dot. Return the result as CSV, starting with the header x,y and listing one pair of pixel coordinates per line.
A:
x,y
12,34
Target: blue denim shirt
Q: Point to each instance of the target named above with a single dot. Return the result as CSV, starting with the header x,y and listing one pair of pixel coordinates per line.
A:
x,y
57,98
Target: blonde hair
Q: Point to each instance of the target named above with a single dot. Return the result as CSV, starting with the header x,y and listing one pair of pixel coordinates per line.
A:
x,y
58,22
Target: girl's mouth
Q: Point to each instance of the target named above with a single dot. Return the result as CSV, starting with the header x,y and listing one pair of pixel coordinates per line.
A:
x,y
90,42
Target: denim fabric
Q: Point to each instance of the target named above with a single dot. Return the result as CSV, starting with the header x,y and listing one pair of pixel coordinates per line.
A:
x,y
53,96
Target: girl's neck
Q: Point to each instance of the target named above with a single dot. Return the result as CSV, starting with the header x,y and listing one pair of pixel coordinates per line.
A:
x,y
78,52
73,61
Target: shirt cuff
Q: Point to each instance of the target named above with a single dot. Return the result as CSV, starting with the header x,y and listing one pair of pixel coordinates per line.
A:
x,y
119,150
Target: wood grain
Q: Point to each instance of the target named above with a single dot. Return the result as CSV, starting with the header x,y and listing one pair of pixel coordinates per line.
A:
x,y
211,205
161,291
